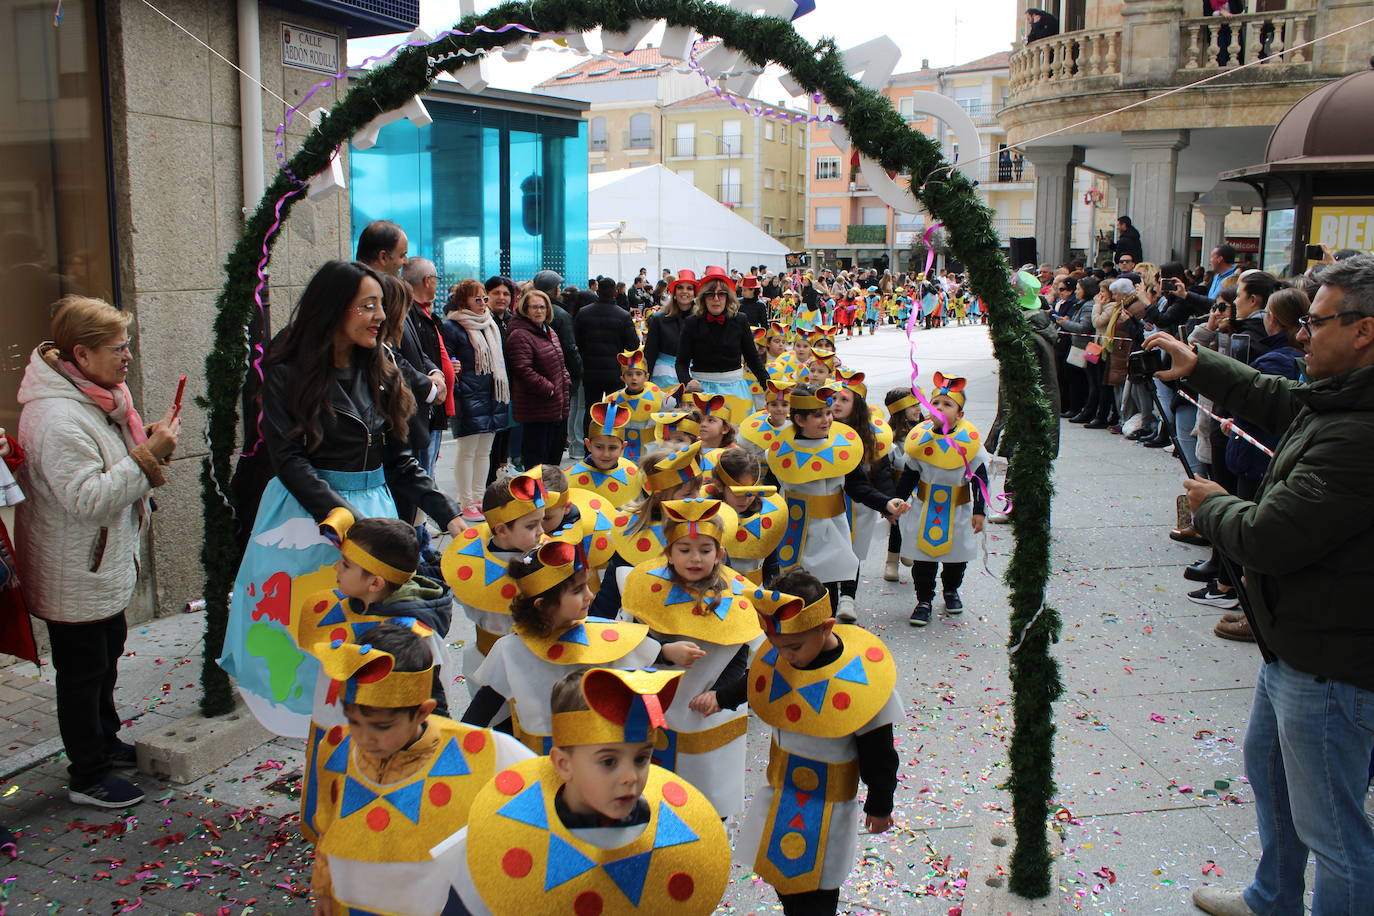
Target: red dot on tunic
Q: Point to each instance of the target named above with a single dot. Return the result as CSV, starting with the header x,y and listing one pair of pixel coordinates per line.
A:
x,y
601,543
470,533
321,606
656,587
610,635
844,456
622,521
517,862
555,651
588,903
378,819
612,486
841,701
508,591
816,465
793,712
874,654
787,462
508,782
681,886
465,573
741,536
643,545
335,735
338,633
929,450
776,445
440,794
594,503
474,741
766,522
972,435
759,683
674,794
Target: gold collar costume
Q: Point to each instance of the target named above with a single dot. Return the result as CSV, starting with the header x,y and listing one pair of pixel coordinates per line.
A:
x,y
476,574
519,850
928,443
590,520
796,460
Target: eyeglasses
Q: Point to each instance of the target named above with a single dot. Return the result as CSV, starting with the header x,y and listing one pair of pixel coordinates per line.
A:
x,y
481,298
712,294
1310,323
124,349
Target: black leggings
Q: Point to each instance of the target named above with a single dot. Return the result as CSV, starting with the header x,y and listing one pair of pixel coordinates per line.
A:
x,y
823,902
923,577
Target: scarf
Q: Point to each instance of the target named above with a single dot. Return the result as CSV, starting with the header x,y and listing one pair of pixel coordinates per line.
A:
x,y
117,403
485,336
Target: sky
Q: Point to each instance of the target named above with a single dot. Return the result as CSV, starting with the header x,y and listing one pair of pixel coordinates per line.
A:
x,y
945,33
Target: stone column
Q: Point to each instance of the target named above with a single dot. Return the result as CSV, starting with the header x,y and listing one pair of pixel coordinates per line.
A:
x,y
1121,193
1054,172
1154,171
1183,225
1213,226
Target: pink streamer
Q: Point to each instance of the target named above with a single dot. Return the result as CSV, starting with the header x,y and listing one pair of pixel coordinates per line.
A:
x,y
754,111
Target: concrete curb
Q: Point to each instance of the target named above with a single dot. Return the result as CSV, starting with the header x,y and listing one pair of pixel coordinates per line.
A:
x,y
194,746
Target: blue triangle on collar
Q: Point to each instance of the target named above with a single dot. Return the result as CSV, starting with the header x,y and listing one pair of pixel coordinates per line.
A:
x,y
473,548
853,672
338,761
577,634
779,688
494,571
629,874
336,615
451,761
814,694
671,830
564,861
528,808
677,595
355,796
407,799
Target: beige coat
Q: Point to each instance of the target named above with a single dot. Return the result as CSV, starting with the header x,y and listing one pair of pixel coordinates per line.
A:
x,y
78,531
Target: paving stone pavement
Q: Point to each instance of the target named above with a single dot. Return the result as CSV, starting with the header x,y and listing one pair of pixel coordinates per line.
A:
x,y
1152,799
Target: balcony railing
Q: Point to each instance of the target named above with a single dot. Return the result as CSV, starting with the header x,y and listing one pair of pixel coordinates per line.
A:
x,y
1088,53
826,227
728,193
638,141
866,235
1013,228
1217,42
685,146
983,115
598,143
729,146
992,172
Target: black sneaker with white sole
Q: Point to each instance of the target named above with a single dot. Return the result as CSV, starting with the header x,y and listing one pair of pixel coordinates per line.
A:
x,y
1212,596
124,757
953,603
920,616
110,792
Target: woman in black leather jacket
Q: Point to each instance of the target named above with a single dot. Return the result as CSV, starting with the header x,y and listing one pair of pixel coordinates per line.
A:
x,y
335,414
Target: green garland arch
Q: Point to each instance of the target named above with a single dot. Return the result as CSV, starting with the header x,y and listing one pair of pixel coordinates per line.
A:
x,y
880,134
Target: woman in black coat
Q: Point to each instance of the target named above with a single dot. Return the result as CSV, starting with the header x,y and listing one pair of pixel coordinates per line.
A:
x,y
663,331
716,342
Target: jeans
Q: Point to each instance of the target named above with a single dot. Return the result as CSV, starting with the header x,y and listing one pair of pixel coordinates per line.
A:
x,y
1184,418
1320,733
85,657
543,443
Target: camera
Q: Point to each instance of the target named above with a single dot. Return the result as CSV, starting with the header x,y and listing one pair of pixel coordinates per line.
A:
x,y
1143,364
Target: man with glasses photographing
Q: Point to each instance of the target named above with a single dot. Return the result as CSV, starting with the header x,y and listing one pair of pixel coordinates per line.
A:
x,y
1306,543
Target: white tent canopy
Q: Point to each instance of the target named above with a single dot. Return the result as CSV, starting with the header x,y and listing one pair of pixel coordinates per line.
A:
x,y
682,227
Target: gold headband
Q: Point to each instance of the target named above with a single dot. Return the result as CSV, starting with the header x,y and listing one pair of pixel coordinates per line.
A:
x,y
675,419
902,404
335,528
684,518
781,614
366,676
624,706
632,359
527,494
822,398
679,467
548,565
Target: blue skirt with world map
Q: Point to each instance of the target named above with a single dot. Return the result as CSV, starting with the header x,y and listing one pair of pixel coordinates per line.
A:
x,y
286,561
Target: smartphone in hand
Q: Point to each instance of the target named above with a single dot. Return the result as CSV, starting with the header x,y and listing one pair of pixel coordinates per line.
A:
x,y
181,390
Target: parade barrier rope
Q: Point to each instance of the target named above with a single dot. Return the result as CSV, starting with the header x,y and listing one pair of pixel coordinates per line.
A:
x,y
879,133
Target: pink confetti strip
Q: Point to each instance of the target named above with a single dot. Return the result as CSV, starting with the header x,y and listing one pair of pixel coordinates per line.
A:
x,y
754,111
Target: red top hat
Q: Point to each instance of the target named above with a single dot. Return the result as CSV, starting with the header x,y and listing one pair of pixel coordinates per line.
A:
x,y
717,273
685,276
751,281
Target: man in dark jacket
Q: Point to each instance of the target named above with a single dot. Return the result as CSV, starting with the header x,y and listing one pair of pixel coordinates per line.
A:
x,y
604,330
1305,543
1040,24
1127,241
422,325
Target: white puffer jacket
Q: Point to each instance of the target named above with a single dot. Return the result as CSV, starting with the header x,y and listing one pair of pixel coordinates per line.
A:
x,y
78,531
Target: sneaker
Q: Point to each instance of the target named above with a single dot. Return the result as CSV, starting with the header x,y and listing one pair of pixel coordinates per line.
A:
x,y
124,757
845,612
920,616
473,513
953,603
1212,596
110,792
1201,571
1222,901
998,518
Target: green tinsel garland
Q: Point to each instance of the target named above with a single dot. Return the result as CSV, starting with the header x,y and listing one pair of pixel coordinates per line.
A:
x,y
879,133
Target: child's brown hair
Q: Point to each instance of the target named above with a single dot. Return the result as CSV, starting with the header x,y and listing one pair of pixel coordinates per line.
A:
x,y
739,465
390,540
529,612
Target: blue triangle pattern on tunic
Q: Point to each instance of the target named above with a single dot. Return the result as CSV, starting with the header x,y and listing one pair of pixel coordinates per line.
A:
x,y
564,861
362,626
355,796
814,694
527,808
678,595
335,615
473,548
407,799
493,571
451,761
779,689
853,672
629,874
671,829
771,656
666,572
577,634
338,761
754,526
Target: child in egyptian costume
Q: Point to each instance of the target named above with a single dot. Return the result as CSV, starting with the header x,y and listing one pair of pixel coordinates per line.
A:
x,y
385,794
595,827
733,476
605,469
642,397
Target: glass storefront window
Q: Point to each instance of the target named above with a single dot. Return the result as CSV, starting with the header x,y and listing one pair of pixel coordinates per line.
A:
x,y
1277,254
54,179
481,192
